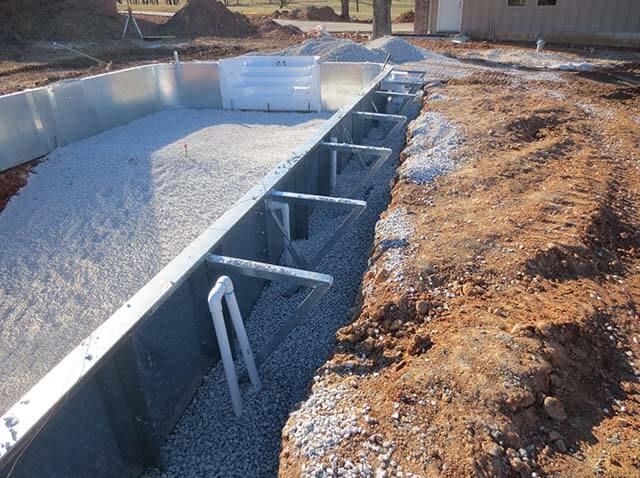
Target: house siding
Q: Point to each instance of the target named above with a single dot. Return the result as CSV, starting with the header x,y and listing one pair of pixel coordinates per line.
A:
x,y
613,22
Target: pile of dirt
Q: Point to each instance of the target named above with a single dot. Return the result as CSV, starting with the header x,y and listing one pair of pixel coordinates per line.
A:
x,y
405,17
200,18
266,26
66,20
322,14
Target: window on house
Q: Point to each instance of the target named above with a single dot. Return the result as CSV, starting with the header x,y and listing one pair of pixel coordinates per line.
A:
x,y
516,3
547,3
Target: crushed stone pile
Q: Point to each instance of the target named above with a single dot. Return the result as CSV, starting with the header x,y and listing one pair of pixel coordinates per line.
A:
x,y
324,14
401,51
65,20
335,49
330,48
266,26
208,18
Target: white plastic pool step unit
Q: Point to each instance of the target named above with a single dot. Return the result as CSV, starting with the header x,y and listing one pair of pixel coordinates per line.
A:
x,y
271,83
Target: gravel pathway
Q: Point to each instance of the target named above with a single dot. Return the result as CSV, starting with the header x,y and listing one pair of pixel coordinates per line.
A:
x,y
101,216
209,440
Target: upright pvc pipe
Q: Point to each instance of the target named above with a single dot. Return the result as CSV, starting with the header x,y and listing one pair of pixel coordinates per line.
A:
x,y
224,289
241,333
334,166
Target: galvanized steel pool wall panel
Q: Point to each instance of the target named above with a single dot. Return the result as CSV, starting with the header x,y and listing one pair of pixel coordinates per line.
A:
x,y
34,122
107,407
199,85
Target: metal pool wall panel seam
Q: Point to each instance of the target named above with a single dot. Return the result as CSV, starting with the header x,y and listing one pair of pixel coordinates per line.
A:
x,y
199,84
23,133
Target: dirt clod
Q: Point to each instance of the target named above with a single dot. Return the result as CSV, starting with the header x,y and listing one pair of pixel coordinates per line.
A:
x,y
555,409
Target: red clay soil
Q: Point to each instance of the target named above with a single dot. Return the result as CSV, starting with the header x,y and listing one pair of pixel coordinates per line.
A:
x,y
510,345
405,17
12,180
266,26
200,18
59,20
322,14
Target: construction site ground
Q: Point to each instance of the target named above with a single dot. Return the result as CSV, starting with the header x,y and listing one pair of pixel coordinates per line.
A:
x,y
497,333
498,328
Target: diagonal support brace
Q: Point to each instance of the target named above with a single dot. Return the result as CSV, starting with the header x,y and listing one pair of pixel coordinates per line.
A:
x,y
356,206
319,284
406,97
382,153
399,120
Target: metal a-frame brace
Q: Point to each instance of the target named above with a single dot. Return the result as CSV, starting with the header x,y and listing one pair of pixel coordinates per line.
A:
x,y
399,120
409,82
382,153
319,284
357,207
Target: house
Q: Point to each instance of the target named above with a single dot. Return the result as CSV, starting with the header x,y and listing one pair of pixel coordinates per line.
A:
x,y
601,22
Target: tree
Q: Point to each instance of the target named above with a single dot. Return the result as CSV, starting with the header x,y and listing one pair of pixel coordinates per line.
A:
x,y
344,9
381,18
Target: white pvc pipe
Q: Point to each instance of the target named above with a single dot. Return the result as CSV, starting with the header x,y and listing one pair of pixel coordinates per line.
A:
x,y
224,289
334,166
241,333
283,209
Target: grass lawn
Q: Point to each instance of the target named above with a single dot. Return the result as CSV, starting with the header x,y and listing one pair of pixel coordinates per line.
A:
x,y
264,7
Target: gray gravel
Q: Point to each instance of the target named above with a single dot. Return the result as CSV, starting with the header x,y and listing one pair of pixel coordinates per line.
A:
x,y
100,217
431,149
209,440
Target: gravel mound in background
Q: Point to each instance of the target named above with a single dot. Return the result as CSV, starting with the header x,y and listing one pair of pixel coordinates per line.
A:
x,y
401,51
335,49
329,48
208,18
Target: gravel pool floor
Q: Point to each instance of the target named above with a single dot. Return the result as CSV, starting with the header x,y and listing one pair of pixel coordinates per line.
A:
x,y
100,217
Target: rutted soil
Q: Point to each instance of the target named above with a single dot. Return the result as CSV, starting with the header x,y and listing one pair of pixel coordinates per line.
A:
x,y
498,331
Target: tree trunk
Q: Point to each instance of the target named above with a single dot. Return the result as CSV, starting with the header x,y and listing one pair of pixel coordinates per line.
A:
x,y
381,18
344,9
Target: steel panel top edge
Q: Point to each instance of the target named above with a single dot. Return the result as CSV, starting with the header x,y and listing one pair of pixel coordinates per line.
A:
x,y
23,419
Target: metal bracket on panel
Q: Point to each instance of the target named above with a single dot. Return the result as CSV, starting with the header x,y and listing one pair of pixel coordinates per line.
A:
x,y
313,200
319,284
399,120
382,153
405,96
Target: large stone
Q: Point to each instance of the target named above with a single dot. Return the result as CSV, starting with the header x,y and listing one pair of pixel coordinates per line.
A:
x,y
555,409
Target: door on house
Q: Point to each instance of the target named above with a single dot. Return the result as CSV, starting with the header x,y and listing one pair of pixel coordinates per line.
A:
x,y
449,15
